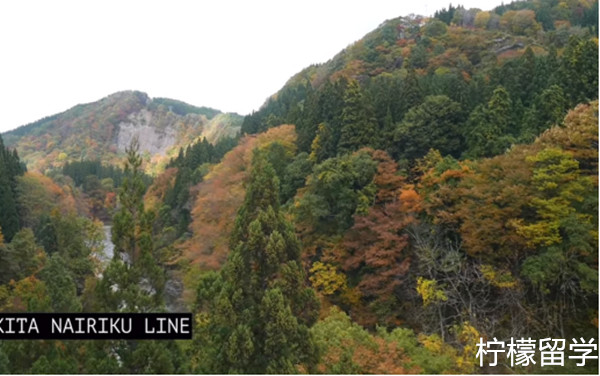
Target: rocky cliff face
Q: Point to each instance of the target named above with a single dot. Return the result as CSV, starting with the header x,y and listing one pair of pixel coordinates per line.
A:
x,y
152,139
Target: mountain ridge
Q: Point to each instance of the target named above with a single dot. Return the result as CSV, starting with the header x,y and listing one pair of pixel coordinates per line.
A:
x,y
104,128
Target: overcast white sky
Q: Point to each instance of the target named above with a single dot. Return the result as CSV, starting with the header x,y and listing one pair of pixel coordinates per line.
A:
x,y
225,54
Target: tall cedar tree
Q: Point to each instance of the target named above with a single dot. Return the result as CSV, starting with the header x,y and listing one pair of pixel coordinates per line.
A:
x,y
358,121
487,132
139,279
256,314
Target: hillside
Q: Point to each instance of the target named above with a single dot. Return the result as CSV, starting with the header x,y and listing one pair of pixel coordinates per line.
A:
x,y
422,201
102,130
542,55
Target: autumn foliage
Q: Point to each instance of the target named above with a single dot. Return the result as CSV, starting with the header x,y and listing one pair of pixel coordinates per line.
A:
x,y
218,197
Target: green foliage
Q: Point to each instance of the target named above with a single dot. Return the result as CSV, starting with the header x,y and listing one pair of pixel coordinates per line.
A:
x,y
445,15
579,70
358,123
3,362
10,169
294,176
138,278
323,146
433,124
348,348
61,286
80,170
337,331
435,29
488,130
564,231
336,190
182,108
22,256
55,365
549,109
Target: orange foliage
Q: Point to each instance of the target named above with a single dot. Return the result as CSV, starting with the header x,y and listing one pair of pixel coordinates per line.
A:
x,y
156,192
353,69
110,201
28,292
218,197
580,130
483,201
510,54
377,242
496,194
452,57
39,194
387,358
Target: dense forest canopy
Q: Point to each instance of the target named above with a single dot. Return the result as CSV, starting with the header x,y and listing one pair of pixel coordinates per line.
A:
x,y
431,186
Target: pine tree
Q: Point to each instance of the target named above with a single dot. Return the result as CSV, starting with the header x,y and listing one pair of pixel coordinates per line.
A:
x,y
255,315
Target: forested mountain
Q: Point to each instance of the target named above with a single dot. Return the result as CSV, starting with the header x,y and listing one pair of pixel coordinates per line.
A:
x,y
469,83
433,185
102,130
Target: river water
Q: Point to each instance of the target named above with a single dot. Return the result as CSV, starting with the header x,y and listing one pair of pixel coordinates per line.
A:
x,y
107,244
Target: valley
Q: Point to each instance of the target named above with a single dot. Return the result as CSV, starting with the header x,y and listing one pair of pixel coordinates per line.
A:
x,y
432,186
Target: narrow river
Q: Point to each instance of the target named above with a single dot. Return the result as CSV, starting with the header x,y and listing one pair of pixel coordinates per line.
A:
x,y
108,246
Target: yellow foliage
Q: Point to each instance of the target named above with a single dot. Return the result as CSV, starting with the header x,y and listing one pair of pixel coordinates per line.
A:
x,y
468,336
482,19
429,291
202,319
432,343
351,296
501,279
326,278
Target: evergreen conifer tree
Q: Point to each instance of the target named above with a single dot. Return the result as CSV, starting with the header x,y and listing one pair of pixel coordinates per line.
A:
x,y
358,121
255,314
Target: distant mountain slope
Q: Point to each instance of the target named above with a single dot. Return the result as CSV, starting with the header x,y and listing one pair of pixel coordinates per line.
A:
x,y
103,129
